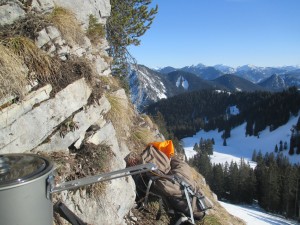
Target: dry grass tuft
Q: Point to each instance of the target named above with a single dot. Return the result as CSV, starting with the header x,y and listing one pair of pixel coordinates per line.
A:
x,y
121,114
67,23
143,135
12,74
41,66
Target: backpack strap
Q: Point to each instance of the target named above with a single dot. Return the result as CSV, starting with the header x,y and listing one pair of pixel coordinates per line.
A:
x,y
147,191
189,204
155,175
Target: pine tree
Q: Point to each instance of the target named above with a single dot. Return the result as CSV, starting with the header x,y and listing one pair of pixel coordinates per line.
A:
x,y
217,184
128,21
201,143
292,141
208,147
259,157
280,146
276,148
233,180
254,155
196,147
224,142
213,141
249,128
202,162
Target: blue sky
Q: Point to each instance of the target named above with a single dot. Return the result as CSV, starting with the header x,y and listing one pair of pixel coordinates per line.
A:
x,y
230,32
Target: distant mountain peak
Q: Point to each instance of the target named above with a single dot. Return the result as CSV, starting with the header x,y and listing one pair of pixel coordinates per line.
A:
x,y
247,67
274,83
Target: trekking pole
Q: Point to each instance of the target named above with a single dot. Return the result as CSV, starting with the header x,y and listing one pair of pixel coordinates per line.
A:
x,y
103,177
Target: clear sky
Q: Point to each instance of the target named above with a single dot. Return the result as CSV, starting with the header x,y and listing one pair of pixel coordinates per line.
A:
x,y
230,32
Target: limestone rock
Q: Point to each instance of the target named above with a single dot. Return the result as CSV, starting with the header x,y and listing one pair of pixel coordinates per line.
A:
x,y
111,207
42,39
100,64
42,5
119,195
106,135
82,120
32,128
12,113
83,9
10,12
124,149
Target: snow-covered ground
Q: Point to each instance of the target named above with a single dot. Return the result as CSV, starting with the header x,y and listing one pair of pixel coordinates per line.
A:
x,y
240,146
254,215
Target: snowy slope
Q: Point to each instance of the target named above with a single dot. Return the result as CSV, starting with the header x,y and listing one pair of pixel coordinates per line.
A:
x,y
146,86
254,215
238,145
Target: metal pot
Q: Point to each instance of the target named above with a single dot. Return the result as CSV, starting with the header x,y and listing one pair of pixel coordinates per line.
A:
x,y
27,182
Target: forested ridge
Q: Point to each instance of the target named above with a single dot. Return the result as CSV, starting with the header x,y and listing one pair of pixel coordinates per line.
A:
x,y
185,114
273,183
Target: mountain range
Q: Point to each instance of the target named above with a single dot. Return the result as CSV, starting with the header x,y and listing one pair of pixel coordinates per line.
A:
x,y
150,85
252,73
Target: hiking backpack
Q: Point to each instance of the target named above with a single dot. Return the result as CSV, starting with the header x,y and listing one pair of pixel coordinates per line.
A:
x,y
174,183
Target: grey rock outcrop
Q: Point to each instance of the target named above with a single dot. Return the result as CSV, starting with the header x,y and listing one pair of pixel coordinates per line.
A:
x,y
83,9
44,122
32,128
10,11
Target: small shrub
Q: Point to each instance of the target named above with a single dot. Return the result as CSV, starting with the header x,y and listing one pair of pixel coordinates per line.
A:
x,y
95,30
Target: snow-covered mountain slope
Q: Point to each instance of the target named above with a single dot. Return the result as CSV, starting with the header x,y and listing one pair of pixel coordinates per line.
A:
x,y
240,146
225,69
146,86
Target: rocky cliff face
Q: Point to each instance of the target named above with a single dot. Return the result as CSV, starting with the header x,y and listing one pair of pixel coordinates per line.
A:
x,y
59,121
58,99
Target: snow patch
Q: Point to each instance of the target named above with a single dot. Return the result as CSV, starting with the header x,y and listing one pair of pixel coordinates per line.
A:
x,y
178,81
233,110
240,146
185,84
253,214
